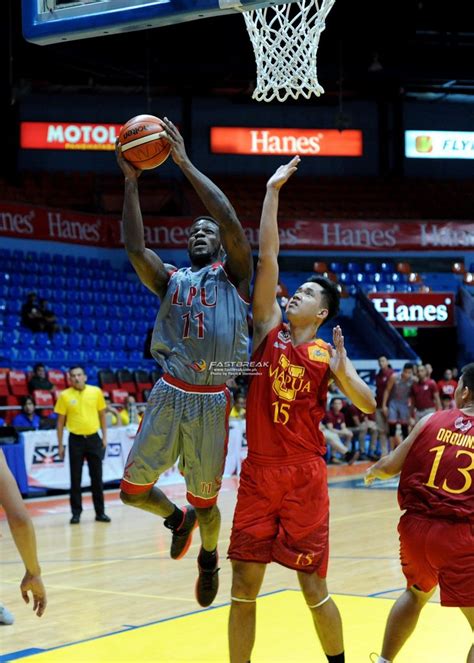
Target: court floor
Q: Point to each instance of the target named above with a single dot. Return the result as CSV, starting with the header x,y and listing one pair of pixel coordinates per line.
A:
x,y
114,594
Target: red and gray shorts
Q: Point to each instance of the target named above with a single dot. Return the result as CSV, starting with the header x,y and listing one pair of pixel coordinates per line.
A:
x,y
182,421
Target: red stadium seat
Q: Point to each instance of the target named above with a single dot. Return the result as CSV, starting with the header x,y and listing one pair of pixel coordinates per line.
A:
x,y
44,399
144,383
57,377
458,268
126,381
119,396
11,401
320,267
18,383
107,380
4,391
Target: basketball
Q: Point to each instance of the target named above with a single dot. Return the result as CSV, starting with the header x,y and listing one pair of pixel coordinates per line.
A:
x,y
143,142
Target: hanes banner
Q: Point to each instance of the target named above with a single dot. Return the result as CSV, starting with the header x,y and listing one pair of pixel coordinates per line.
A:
x,y
415,309
33,222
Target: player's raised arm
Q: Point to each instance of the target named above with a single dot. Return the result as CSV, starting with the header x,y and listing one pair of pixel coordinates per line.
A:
x,y
236,245
149,267
266,312
346,376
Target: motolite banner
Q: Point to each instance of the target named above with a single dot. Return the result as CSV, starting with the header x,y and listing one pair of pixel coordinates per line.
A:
x,y
305,142
413,309
68,136
33,222
424,144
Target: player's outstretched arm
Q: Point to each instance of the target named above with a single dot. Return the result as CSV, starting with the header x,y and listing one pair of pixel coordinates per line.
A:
x,y
23,534
266,312
391,465
234,241
346,376
149,267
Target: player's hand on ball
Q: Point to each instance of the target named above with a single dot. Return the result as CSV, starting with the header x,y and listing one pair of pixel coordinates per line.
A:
x,y
178,151
129,171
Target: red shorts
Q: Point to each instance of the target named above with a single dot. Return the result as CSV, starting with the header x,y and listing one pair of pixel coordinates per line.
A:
x,y
282,515
440,551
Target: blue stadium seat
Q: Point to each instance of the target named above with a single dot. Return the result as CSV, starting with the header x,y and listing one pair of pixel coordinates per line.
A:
x,y
46,281
101,311
345,278
133,342
11,321
104,342
370,268
336,267
74,340
118,342
353,267
87,325
59,340
128,326
101,325
59,355
41,340
17,292
25,338
14,306
89,342
115,326
8,338
87,310
73,310
387,267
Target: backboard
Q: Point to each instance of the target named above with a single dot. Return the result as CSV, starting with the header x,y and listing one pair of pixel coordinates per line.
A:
x,y
55,21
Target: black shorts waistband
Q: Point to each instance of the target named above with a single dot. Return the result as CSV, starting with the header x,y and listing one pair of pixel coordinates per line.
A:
x,y
85,437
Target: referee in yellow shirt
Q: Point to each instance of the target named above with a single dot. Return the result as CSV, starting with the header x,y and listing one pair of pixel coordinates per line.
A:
x,y
82,409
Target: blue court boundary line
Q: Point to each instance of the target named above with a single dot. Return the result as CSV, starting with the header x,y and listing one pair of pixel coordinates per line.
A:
x,y
30,652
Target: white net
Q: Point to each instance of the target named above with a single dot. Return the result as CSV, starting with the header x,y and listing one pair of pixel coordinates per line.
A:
x,y
285,41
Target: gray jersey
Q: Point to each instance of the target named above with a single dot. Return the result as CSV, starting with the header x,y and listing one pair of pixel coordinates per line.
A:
x,y
401,390
202,319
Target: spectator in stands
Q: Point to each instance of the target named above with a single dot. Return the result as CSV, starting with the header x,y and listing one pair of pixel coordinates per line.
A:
x,y
447,402
49,318
429,371
239,408
360,424
447,386
381,380
130,413
112,415
31,316
39,379
27,418
336,420
335,443
82,409
23,534
396,403
424,395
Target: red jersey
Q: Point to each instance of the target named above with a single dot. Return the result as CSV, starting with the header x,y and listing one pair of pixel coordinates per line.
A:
x,y
337,420
287,400
437,478
447,387
423,394
381,380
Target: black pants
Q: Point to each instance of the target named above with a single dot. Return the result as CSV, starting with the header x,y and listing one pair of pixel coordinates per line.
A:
x,y
88,447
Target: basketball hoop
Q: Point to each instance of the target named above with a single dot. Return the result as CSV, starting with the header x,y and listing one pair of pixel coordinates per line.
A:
x,y
285,41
